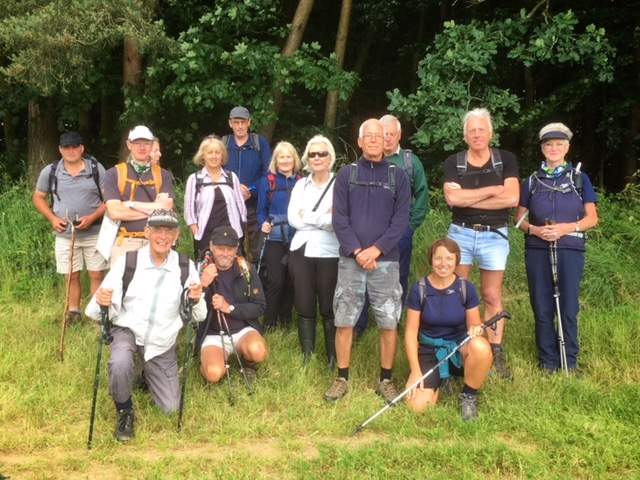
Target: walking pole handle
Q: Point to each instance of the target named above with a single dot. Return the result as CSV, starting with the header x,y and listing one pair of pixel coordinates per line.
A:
x,y
497,317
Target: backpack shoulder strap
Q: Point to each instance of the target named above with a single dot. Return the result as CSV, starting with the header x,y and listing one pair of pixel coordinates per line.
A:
x,y
95,173
353,174
463,291
122,171
461,163
408,163
156,173
53,181
576,180
256,141
496,161
229,176
392,178
131,260
225,140
183,261
422,289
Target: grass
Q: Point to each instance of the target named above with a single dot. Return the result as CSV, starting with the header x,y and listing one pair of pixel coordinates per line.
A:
x,y
537,426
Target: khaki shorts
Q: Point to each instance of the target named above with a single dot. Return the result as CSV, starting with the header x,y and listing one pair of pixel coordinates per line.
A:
x,y
218,342
84,253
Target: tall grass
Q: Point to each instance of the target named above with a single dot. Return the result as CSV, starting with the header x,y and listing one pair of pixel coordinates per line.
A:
x,y
537,426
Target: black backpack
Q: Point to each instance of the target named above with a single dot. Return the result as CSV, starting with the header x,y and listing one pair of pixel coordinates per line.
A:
x,y
254,138
201,183
53,180
496,164
422,286
131,261
575,182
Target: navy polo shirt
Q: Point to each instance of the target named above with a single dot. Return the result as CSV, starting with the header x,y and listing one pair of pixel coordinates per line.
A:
x,y
443,314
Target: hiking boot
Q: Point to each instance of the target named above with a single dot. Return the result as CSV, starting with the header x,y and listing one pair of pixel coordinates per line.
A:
x,y
387,390
73,316
337,390
307,337
468,406
500,362
124,425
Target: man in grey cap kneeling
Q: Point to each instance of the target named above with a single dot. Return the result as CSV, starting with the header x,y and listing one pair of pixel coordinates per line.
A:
x,y
144,291
235,301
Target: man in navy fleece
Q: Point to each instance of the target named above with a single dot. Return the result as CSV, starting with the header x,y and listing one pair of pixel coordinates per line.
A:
x,y
371,201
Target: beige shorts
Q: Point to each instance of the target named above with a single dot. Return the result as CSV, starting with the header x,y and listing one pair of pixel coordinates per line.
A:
x,y
127,244
216,341
84,253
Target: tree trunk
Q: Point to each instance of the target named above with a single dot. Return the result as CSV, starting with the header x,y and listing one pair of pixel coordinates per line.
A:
x,y
10,136
363,55
331,106
42,136
131,78
294,40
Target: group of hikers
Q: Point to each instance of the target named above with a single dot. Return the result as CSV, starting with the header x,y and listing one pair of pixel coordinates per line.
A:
x,y
340,243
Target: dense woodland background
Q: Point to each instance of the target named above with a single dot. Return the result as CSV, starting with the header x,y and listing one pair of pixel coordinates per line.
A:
x,y
101,66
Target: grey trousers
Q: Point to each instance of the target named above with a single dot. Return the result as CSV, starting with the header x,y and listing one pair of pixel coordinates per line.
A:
x,y
160,373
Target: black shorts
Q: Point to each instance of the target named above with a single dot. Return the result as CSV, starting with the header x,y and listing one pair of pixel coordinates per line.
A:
x,y
428,360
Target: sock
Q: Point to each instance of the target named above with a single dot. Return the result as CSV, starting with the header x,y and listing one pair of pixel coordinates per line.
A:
x,y
385,374
344,373
495,347
127,405
468,390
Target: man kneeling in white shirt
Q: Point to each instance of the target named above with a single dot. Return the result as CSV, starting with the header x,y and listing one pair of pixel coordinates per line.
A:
x,y
145,311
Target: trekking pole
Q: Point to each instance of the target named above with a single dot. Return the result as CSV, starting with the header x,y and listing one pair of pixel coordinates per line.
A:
x,y
264,243
226,361
189,345
68,287
553,254
104,339
235,351
400,396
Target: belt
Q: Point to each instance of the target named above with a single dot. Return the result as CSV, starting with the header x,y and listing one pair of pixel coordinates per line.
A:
x,y
478,227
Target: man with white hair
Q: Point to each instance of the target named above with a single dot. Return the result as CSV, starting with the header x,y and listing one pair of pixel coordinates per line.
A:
x,y
371,200
135,188
481,185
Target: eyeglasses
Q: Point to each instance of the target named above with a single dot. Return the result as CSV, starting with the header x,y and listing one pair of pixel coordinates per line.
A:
x,y
318,154
373,136
142,143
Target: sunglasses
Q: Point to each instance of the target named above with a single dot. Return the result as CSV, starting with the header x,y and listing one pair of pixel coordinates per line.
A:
x,y
318,154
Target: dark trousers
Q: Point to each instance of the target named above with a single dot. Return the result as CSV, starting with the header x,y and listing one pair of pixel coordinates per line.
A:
x,y
252,234
315,281
278,287
406,249
570,269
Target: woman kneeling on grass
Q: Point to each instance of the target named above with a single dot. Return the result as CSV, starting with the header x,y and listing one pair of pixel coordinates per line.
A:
x,y
442,309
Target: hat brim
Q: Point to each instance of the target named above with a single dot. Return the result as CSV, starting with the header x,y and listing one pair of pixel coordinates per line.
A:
x,y
161,223
554,136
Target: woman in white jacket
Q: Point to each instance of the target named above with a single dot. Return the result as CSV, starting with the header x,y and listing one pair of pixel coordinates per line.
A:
x,y
313,263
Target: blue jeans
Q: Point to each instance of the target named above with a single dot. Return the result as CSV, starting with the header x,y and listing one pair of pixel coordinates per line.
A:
x,y
490,249
570,269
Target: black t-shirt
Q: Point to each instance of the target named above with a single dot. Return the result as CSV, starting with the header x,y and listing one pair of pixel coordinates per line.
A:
x,y
474,179
224,286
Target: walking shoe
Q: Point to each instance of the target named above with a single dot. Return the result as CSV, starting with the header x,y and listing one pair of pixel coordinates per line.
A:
x,y
468,406
124,425
73,316
337,390
387,390
500,362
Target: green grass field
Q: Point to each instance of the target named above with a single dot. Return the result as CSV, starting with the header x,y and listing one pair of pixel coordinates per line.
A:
x,y
537,426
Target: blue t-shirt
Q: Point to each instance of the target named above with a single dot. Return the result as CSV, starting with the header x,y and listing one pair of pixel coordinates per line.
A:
x,y
443,314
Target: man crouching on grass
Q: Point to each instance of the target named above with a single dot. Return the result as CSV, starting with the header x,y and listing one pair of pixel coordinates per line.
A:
x,y
145,311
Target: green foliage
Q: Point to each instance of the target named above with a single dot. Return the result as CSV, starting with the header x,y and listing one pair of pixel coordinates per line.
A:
x,y
474,65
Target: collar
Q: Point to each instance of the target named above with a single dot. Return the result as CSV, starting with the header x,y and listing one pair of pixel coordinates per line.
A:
x,y
308,180
205,173
555,172
146,263
140,168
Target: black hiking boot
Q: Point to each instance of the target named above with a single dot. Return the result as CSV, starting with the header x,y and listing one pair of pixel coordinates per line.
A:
x,y
500,365
307,336
125,425
330,342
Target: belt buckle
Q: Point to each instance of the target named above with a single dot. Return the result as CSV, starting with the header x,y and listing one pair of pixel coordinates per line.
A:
x,y
478,227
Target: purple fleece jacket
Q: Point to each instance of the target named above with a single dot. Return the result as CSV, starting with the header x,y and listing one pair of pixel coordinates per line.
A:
x,y
366,215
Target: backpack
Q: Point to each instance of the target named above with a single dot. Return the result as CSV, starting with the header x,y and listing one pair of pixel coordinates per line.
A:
x,y
53,180
496,164
254,139
273,188
422,286
408,164
575,182
131,261
391,183
201,183
122,170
